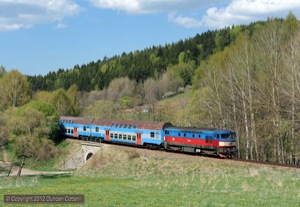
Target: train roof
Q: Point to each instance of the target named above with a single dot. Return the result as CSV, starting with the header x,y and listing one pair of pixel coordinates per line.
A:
x,y
113,123
194,129
135,124
75,120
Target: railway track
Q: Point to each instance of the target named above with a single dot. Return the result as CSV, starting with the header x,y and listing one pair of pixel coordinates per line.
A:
x,y
208,156
266,163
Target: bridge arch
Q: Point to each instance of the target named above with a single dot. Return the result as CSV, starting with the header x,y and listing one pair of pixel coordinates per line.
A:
x,y
89,155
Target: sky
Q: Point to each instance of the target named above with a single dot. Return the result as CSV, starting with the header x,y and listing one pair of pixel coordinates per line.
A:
x,y
39,36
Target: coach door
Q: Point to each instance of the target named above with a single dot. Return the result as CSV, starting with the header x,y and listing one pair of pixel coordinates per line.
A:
x,y
75,132
107,135
139,139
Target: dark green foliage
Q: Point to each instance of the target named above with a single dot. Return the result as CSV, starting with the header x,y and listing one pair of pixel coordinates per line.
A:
x,y
138,65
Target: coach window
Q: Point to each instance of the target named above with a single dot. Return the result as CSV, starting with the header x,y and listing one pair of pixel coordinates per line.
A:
x,y
157,135
167,132
179,134
133,138
125,126
97,129
184,134
111,135
199,136
66,130
129,137
120,136
69,131
72,131
124,136
117,125
120,125
116,136
193,135
152,134
84,128
130,126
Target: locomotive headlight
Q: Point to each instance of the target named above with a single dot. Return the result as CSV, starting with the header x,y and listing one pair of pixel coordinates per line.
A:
x,y
227,144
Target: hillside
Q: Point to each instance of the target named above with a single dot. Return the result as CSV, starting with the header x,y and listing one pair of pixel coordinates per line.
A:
x,y
142,64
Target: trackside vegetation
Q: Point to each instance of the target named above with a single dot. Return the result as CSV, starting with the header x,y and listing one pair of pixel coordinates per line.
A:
x,y
130,177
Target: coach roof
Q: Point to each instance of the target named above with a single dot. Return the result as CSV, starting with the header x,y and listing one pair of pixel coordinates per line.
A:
x,y
134,124
116,123
75,120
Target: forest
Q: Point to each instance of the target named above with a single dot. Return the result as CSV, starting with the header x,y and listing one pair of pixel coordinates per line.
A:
x,y
245,78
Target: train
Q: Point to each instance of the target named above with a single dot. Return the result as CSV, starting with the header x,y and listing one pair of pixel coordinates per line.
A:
x,y
153,135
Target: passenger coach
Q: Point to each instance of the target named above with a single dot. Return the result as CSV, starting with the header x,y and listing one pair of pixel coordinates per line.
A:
x,y
142,133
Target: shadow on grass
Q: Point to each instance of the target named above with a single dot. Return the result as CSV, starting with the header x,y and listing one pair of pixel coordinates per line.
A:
x,y
55,176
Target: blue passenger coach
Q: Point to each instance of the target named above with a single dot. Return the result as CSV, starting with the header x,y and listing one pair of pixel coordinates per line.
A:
x,y
142,133
75,126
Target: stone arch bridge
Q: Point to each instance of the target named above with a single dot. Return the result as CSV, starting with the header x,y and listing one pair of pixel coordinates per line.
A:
x,y
88,149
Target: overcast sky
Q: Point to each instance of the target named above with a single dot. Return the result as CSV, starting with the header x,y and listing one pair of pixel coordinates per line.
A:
x,y
39,36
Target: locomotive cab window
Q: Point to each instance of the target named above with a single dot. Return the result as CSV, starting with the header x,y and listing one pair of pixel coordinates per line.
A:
x,y
225,136
152,134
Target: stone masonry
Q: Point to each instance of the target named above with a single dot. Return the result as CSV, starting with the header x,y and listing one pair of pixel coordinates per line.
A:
x,y
88,149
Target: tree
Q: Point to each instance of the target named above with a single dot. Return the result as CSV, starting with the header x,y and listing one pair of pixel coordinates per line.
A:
x,y
2,71
62,102
3,130
102,109
32,130
73,96
120,87
15,89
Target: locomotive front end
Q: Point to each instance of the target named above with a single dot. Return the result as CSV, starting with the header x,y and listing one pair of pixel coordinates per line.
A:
x,y
227,144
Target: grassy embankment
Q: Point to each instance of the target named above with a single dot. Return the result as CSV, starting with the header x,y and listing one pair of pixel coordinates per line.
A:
x,y
118,176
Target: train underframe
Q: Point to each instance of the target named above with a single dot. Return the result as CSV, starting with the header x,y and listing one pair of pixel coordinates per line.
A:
x,y
202,150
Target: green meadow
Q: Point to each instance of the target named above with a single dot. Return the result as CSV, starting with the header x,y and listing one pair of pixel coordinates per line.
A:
x,y
132,177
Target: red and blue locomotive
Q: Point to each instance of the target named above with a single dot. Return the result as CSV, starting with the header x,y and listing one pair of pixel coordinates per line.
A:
x,y
154,135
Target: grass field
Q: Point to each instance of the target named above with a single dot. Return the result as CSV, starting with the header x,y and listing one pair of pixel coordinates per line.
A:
x,y
132,177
